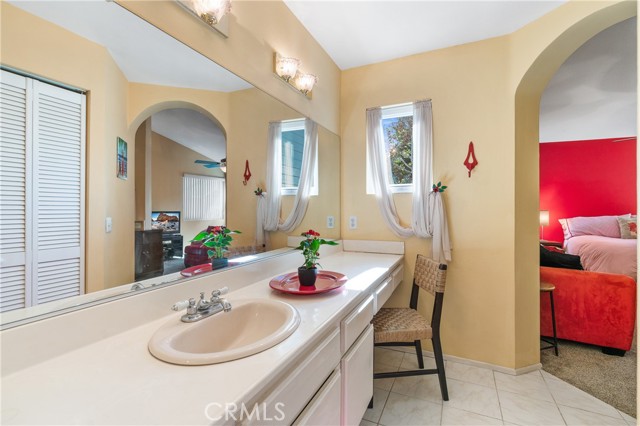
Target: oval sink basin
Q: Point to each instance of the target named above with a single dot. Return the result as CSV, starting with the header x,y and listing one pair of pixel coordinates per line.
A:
x,y
252,326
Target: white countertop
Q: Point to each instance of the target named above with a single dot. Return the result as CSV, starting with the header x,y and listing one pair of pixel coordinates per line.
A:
x,y
117,381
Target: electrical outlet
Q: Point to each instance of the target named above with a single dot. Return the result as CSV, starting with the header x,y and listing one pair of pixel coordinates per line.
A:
x,y
330,222
108,225
353,222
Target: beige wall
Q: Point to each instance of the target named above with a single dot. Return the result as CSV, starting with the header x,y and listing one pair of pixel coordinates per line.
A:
x,y
491,304
170,161
49,51
251,111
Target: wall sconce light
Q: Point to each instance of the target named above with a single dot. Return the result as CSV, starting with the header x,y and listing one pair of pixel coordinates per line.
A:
x,y
305,82
223,165
288,69
211,12
544,221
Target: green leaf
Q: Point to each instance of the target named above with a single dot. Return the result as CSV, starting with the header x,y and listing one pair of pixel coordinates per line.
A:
x,y
210,253
200,236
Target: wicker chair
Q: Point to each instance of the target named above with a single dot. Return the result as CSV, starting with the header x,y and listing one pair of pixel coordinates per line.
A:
x,y
406,327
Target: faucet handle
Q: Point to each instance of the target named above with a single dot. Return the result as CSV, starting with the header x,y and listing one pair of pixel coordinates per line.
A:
x,y
219,292
226,305
184,304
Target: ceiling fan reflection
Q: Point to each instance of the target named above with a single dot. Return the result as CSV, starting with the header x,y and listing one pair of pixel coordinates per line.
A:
x,y
210,164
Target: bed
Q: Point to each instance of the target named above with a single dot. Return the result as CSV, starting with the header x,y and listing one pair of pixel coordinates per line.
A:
x,y
604,243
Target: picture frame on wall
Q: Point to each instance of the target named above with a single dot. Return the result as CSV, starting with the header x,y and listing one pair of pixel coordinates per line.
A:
x,y
122,159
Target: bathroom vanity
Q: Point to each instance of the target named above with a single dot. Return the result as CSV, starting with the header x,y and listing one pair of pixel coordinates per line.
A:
x,y
93,366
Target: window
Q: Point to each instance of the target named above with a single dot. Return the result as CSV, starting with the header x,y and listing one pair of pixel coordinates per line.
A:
x,y
203,198
397,130
292,149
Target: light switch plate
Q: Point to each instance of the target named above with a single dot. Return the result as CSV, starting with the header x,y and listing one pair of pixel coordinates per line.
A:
x,y
108,225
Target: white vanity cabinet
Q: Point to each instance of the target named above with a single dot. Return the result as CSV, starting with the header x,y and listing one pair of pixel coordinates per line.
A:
x,y
357,379
324,408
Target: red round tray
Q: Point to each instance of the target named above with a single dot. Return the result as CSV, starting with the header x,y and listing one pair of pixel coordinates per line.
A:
x,y
326,281
200,269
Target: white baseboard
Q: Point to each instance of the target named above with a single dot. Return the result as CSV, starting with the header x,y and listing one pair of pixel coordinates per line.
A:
x,y
480,364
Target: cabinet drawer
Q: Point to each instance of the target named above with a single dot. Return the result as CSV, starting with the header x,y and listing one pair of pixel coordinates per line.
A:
x,y
357,379
292,394
397,275
324,408
383,292
355,322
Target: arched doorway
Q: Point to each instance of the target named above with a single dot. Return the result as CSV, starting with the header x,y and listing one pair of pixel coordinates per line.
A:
x,y
179,148
591,19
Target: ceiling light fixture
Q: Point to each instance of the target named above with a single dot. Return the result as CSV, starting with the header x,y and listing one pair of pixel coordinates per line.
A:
x,y
288,70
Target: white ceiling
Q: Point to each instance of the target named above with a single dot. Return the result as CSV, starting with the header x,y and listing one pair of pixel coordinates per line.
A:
x,y
200,134
594,93
361,32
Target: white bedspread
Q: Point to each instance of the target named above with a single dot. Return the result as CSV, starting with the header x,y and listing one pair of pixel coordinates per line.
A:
x,y
604,254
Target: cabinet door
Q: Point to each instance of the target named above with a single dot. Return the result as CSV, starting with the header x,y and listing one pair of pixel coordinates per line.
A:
x,y
324,408
357,378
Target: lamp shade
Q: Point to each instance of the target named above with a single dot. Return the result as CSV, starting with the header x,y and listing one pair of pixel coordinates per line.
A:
x,y
216,9
544,217
305,82
286,68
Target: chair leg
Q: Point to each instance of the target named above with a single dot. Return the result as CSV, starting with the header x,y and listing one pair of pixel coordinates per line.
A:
x,y
553,321
418,346
437,352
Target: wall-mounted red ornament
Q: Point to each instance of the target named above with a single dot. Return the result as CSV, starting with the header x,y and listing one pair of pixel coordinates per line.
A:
x,y
247,173
471,162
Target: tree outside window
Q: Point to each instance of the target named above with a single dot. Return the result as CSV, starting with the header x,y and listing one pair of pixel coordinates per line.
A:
x,y
398,140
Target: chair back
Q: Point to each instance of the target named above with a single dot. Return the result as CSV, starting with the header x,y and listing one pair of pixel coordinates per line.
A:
x,y
430,275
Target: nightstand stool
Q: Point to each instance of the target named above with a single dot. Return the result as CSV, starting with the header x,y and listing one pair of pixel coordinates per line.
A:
x,y
546,287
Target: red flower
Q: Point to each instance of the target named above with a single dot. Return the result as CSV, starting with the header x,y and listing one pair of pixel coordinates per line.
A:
x,y
633,227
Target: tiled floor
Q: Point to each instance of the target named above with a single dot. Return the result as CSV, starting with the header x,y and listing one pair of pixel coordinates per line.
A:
x,y
479,396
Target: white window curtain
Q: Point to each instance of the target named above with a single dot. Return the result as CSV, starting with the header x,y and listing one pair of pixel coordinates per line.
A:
x,y
428,215
269,204
203,197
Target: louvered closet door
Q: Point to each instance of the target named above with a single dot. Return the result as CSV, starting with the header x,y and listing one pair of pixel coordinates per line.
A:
x,y
15,107
58,209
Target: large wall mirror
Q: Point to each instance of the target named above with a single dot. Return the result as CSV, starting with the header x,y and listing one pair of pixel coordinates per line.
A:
x,y
156,112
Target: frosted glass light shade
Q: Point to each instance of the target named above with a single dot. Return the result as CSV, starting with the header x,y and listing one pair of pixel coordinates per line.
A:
x,y
215,9
286,68
305,82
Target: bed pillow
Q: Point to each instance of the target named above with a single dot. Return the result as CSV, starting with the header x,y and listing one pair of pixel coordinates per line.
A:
x,y
628,227
604,226
559,260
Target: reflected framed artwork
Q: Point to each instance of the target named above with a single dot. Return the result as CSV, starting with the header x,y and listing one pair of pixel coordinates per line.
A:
x,y
122,159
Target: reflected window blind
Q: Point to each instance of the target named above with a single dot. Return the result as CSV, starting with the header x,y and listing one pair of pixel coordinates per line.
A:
x,y
203,197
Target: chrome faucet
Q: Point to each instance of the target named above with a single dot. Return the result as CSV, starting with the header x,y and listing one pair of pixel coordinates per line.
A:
x,y
203,308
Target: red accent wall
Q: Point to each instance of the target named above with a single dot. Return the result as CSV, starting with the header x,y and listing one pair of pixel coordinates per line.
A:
x,y
586,178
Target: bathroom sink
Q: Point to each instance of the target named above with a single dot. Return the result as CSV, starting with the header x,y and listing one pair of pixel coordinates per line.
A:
x,y
252,326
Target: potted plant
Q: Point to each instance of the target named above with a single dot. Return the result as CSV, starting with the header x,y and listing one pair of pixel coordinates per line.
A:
x,y
308,272
217,240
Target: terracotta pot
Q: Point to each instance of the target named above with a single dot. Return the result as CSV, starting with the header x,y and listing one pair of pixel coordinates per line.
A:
x,y
217,263
307,277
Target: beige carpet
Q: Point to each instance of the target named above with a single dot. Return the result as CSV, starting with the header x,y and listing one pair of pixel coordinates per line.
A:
x,y
611,379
